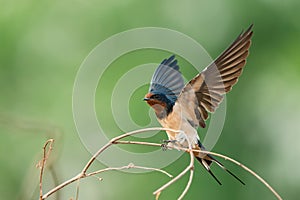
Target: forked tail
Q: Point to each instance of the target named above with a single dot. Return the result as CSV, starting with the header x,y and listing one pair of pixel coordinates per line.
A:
x,y
206,162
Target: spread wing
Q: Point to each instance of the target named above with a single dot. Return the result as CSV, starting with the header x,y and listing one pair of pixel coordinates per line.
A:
x,y
205,92
167,79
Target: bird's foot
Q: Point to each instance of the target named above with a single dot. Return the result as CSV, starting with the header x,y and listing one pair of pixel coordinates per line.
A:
x,y
165,143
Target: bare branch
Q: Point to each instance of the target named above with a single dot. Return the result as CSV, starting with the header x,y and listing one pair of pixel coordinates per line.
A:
x,y
43,128
80,176
112,141
42,163
62,185
89,163
190,167
129,166
215,154
246,169
191,174
188,184
154,169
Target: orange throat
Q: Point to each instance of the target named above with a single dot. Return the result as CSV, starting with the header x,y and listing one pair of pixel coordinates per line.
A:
x,y
158,106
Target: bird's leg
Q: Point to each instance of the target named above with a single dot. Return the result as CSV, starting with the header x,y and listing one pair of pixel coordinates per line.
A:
x,y
165,143
169,141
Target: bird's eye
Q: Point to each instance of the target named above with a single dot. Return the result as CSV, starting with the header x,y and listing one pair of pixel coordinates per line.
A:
x,y
155,96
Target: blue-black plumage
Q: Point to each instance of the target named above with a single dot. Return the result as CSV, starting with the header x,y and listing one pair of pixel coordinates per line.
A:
x,y
167,79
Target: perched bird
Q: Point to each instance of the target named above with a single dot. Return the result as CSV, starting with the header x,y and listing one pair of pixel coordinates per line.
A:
x,y
185,107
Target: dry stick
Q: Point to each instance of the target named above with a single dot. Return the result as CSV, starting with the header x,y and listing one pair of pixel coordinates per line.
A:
x,y
191,172
114,141
215,154
188,184
42,163
82,174
247,169
118,138
129,166
62,185
32,126
190,168
158,191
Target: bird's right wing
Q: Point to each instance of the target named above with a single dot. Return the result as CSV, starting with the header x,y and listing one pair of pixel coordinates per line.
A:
x,y
205,92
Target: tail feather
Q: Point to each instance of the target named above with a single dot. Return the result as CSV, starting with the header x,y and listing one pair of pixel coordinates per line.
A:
x,y
208,160
206,164
224,168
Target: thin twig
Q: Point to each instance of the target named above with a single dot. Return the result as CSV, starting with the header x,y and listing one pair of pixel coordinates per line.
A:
x,y
157,192
190,168
191,172
49,130
62,185
89,163
129,166
214,154
112,141
139,143
245,168
42,163
188,184
82,174
154,169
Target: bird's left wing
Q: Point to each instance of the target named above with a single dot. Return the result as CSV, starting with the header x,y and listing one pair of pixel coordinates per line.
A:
x,y
205,92
167,79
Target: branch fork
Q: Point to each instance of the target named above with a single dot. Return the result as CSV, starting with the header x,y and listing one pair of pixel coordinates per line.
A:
x,y
116,140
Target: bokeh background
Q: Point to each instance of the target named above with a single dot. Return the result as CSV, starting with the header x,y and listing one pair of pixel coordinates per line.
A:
x,y
43,43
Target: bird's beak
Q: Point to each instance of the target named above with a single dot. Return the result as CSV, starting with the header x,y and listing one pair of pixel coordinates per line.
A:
x,y
146,99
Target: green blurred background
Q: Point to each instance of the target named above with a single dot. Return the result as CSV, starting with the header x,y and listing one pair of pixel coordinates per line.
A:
x,y
43,43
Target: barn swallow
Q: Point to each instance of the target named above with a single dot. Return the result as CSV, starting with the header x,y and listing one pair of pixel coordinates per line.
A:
x,y
186,107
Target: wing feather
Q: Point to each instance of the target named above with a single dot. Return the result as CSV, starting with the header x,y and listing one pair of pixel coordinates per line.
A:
x,y
167,79
207,89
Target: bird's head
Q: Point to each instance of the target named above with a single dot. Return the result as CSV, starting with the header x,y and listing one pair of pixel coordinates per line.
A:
x,y
153,99
160,103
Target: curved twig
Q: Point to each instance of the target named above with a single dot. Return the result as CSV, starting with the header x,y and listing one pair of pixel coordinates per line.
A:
x,y
129,166
190,168
188,185
245,168
82,174
112,141
214,154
